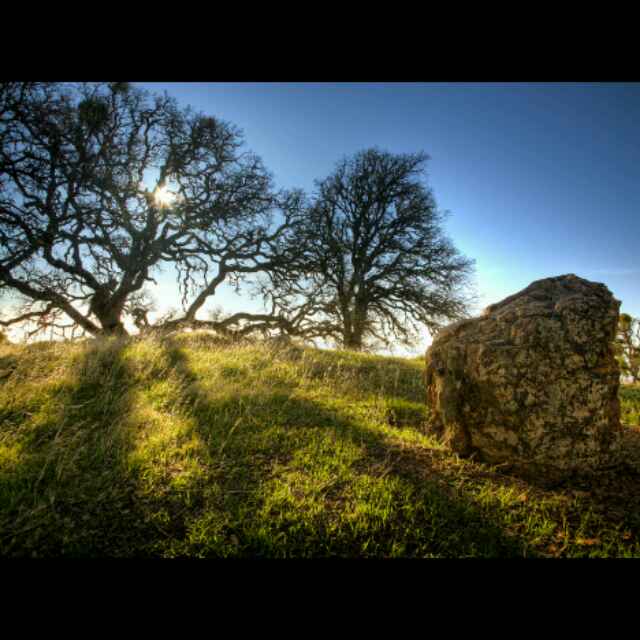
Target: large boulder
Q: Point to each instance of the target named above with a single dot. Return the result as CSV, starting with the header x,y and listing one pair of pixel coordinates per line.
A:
x,y
533,381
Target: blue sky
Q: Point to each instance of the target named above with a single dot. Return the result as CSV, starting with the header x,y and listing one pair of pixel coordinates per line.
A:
x,y
540,179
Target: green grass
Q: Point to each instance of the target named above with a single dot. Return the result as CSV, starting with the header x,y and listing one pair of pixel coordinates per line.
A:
x,y
630,404
189,447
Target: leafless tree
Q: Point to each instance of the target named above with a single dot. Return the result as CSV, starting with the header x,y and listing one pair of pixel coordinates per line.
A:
x,y
375,263
101,184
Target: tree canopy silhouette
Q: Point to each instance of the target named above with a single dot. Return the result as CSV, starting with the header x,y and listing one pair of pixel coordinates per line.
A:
x,y
374,263
101,184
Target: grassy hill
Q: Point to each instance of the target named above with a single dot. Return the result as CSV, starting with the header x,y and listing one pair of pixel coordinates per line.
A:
x,y
191,447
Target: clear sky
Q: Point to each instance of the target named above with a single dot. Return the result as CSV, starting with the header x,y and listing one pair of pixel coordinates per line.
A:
x,y
540,179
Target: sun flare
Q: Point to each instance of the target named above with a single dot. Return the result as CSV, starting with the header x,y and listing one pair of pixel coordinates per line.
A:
x,y
164,197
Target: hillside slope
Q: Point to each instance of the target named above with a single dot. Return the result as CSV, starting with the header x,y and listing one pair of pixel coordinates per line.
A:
x,y
190,447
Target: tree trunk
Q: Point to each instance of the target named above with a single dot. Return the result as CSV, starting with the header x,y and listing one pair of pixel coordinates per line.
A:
x,y
108,308
111,322
353,343
355,334
116,330
353,338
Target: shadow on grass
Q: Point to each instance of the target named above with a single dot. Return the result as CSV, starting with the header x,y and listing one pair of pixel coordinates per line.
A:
x,y
281,475
614,493
297,489
72,492
8,364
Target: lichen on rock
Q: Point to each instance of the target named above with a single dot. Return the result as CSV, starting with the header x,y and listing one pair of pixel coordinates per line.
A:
x,y
533,381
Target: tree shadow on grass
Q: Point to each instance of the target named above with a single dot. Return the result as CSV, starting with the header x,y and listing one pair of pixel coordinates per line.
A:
x,y
8,364
430,510
288,484
72,491
278,475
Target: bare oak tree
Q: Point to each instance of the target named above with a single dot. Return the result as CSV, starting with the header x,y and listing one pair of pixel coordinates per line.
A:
x,y
375,263
102,184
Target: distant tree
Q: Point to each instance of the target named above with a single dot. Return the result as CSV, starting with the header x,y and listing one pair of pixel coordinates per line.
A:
x,y
374,264
102,184
628,346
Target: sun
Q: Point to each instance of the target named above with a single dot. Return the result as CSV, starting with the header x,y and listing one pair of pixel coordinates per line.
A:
x,y
164,197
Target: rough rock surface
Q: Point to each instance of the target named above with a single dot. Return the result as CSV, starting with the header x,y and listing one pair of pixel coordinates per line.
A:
x,y
533,381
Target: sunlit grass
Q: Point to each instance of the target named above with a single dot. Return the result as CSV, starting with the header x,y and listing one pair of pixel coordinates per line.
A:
x,y
193,447
630,404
